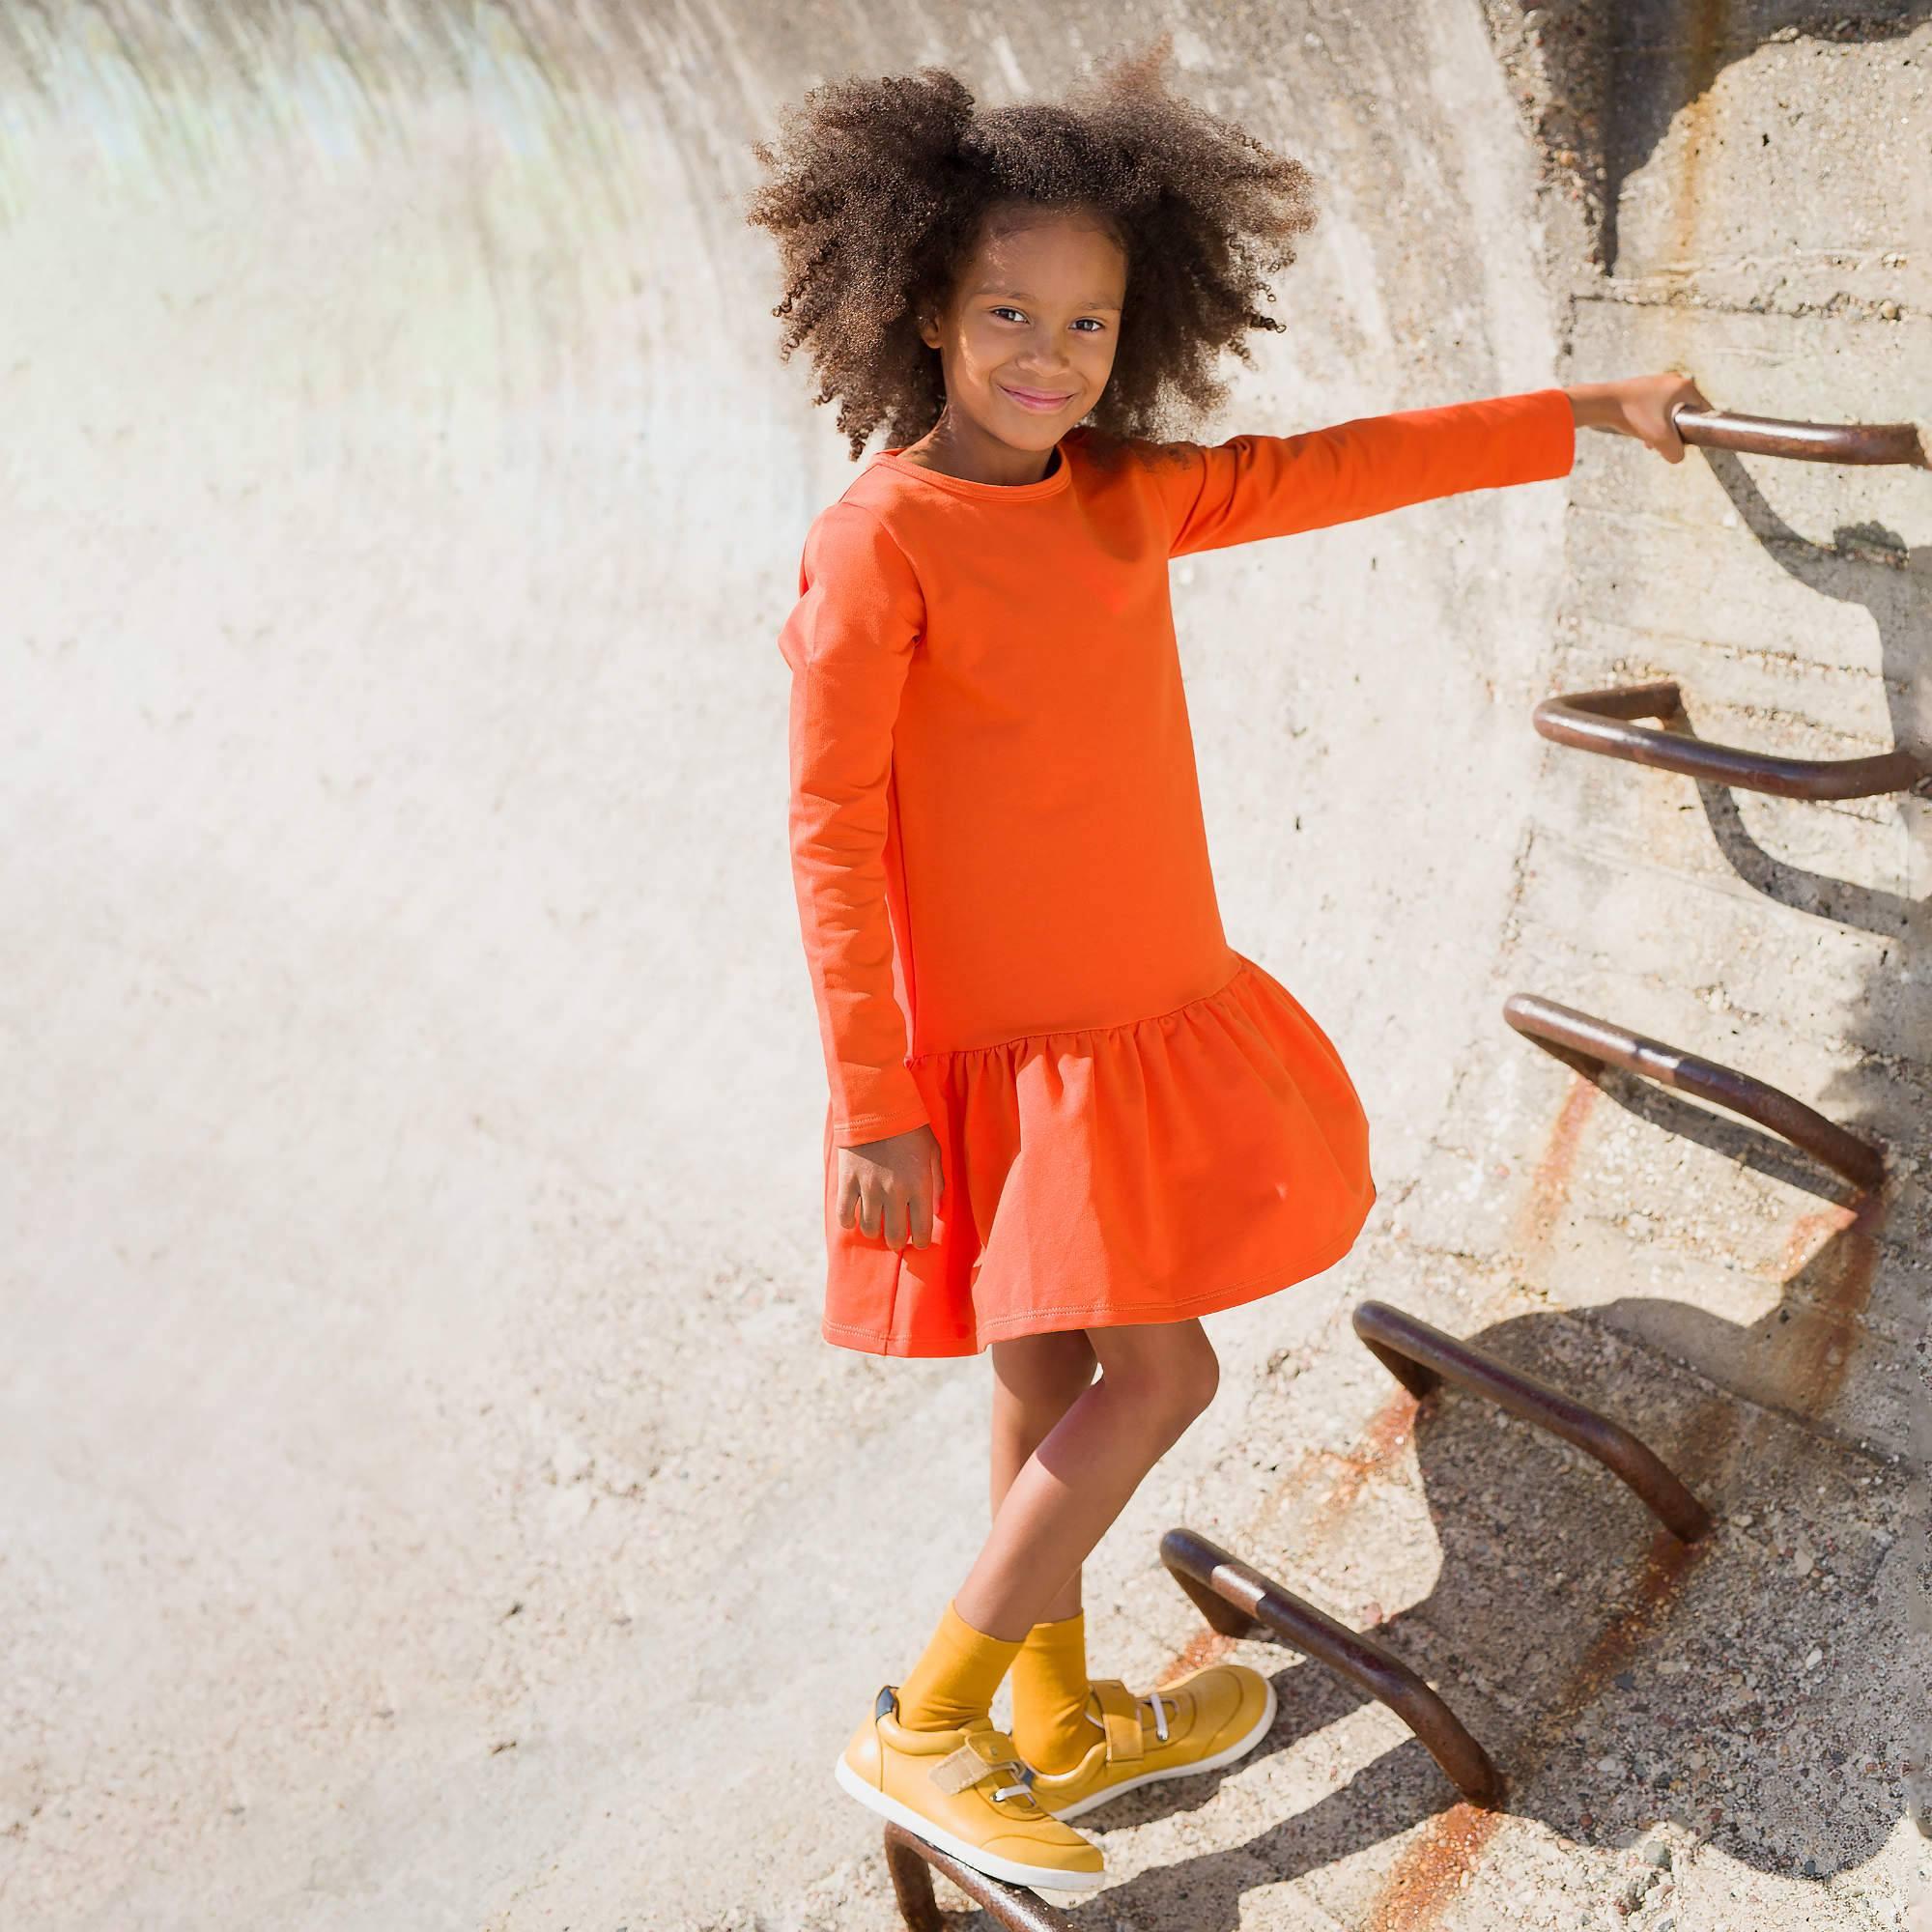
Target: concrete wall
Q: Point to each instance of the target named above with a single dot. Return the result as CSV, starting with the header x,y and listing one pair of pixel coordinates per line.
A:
x,y
432,1503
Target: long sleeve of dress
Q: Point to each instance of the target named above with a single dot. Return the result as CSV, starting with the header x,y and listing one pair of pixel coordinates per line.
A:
x,y
1266,486
849,642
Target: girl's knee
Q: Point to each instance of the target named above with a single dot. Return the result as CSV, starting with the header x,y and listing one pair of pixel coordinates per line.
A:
x,y
1171,1370
1206,1377
1197,1378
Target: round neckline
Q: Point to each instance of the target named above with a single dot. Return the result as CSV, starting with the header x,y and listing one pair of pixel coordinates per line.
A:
x,y
997,492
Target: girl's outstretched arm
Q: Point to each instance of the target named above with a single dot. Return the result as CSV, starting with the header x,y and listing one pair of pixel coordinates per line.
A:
x,y
849,642
1255,485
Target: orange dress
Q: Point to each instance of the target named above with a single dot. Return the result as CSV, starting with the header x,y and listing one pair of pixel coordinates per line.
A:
x,y
1004,886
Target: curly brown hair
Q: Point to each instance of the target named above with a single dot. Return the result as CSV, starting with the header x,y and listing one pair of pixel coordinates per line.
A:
x,y
879,189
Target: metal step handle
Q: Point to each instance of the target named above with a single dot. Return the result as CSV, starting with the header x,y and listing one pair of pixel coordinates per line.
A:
x,y
1600,721
1807,442
1234,1597
1419,1358
907,1858
1583,1042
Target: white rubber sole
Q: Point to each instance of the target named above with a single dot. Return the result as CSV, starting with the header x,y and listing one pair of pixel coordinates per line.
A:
x,y
1238,1748
1044,1877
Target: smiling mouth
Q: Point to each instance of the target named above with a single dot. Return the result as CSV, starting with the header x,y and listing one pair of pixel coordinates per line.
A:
x,y
1037,398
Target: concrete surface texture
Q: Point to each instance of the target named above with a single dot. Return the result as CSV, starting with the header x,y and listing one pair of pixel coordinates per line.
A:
x,y
429,1501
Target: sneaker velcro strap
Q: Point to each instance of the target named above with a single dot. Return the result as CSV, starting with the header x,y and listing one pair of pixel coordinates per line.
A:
x,y
967,1764
1121,1715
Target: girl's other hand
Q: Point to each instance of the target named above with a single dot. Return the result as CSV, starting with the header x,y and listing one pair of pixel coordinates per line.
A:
x,y
889,1187
1638,405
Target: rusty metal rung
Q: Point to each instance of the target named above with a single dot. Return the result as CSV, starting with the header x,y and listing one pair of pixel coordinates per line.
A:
x,y
1810,442
1234,1597
1419,1356
1583,1042
1598,721
907,1857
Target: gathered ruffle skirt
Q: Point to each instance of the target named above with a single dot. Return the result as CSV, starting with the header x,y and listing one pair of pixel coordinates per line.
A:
x,y
1151,1172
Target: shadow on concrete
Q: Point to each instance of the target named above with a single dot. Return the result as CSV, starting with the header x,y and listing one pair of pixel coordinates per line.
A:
x,y
1882,1096
1743,1141
1664,55
1873,567
1617,76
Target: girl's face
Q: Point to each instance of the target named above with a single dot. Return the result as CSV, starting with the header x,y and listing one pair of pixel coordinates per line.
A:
x,y
1027,340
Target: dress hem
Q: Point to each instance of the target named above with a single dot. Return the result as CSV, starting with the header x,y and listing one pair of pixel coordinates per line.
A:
x,y
1044,1321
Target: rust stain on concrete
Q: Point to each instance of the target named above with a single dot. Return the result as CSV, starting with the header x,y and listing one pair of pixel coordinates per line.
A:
x,y
1205,1646
1434,1869
1431,1872
1665,1565
1805,1234
1814,1335
1380,1445
1549,1192
1702,51
1375,1450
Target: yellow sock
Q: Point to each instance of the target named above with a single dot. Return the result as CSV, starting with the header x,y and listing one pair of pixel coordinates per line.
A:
x,y
952,1686
1051,1730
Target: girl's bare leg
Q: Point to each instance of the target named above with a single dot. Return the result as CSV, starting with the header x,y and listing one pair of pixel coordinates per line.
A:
x,y
1155,1378
1036,1378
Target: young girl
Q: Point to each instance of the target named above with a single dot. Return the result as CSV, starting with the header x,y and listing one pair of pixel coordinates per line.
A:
x,y
1067,1118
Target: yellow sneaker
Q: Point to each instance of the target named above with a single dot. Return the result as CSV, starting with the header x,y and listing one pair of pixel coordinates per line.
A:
x,y
1202,1720
966,1792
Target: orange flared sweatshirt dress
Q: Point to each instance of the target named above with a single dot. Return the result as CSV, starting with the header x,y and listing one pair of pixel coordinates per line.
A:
x,y
1004,886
